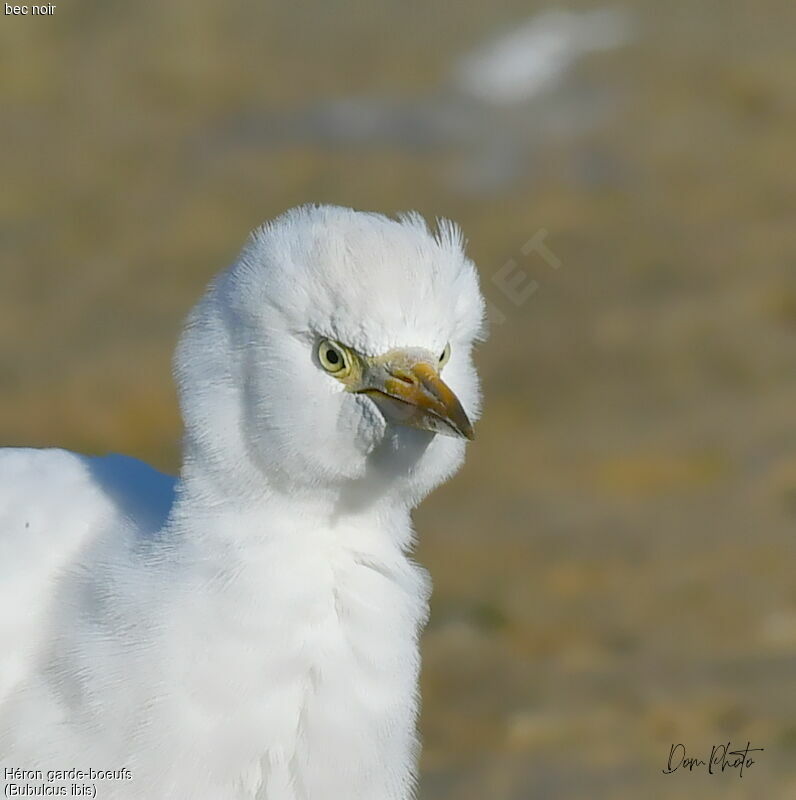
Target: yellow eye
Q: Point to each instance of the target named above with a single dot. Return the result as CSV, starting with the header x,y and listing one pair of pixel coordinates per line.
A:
x,y
446,354
333,358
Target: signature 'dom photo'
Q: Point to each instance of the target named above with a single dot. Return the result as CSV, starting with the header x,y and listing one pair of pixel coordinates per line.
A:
x,y
398,400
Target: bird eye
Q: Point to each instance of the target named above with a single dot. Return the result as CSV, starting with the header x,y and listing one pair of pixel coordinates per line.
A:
x,y
333,358
446,354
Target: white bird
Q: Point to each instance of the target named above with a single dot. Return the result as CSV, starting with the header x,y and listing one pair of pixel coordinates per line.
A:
x,y
250,628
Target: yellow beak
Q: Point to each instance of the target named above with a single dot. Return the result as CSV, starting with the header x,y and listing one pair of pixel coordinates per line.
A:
x,y
408,390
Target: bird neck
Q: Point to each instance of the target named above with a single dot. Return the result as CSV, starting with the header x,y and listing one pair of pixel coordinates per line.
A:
x,y
214,503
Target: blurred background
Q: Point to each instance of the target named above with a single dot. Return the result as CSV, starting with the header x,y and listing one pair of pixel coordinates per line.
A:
x,y
614,567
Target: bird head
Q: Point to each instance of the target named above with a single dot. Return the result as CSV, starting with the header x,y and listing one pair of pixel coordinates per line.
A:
x,y
336,351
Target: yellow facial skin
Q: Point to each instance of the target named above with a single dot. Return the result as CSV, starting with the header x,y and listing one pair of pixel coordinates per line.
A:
x,y
405,384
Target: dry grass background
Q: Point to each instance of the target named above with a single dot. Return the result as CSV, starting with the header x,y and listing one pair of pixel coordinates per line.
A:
x,y
614,568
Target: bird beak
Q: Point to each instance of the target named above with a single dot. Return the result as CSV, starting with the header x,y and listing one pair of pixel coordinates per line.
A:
x,y
408,390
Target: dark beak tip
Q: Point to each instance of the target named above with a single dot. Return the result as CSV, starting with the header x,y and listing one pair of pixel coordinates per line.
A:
x,y
461,431
467,433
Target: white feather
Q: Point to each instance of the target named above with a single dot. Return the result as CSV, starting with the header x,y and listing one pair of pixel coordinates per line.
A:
x,y
250,630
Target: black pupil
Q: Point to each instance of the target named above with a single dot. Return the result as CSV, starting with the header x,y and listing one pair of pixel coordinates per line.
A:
x,y
332,357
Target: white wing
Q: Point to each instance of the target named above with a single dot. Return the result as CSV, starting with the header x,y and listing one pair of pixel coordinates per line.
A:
x,y
53,504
